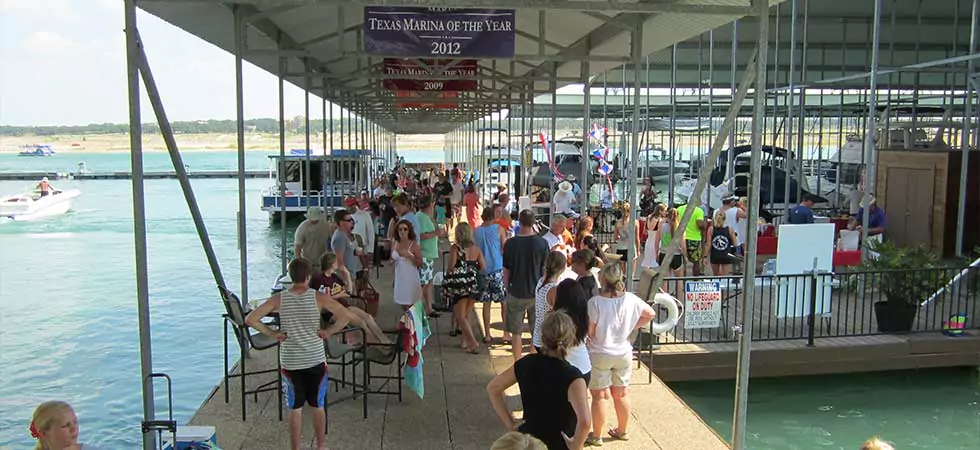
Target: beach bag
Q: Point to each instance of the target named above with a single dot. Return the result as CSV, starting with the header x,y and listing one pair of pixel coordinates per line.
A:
x,y
366,291
461,279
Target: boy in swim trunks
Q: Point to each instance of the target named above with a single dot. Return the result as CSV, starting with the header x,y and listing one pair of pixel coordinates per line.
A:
x,y
304,363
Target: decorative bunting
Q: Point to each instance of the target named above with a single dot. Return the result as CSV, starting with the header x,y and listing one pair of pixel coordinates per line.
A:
x,y
597,135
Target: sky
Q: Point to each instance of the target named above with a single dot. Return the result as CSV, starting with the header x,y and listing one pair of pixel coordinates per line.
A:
x,y
63,62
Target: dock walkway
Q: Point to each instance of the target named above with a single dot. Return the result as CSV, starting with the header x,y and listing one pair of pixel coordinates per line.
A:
x,y
455,413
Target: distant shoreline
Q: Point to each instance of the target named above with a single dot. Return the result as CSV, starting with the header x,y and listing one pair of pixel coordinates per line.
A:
x,y
198,142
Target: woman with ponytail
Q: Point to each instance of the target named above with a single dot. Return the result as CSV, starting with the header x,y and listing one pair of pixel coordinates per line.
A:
x,y
544,293
55,427
613,316
553,392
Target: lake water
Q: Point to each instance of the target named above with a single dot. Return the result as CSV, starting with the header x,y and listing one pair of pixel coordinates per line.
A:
x,y
925,409
68,310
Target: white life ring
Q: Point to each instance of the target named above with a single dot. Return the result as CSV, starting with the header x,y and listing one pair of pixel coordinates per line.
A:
x,y
673,313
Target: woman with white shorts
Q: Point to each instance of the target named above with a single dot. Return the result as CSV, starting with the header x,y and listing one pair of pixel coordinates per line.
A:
x,y
613,315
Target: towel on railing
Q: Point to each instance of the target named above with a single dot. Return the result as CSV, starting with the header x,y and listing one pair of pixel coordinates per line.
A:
x,y
414,325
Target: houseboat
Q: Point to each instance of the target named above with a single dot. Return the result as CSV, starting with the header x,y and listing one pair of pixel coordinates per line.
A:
x,y
320,180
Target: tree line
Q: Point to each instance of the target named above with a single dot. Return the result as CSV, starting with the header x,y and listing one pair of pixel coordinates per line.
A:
x,y
295,125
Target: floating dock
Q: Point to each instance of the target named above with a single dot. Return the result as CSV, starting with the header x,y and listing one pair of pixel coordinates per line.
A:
x,y
13,176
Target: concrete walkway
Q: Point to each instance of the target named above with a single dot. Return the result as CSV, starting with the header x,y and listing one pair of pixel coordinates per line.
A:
x,y
455,413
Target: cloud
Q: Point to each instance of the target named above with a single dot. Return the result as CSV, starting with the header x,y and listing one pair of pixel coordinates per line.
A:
x,y
46,43
43,10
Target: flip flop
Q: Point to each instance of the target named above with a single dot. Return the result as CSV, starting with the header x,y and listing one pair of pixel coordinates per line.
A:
x,y
618,435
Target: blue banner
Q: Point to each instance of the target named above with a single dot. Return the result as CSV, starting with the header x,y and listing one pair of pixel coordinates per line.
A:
x,y
417,32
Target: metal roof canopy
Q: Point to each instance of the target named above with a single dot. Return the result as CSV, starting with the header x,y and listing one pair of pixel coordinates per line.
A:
x,y
554,40
833,38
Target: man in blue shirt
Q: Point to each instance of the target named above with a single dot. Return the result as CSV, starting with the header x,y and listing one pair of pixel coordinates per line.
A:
x,y
802,213
876,219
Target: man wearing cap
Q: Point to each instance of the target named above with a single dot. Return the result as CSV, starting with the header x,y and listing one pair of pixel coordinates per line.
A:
x,y
735,217
876,219
802,214
312,236
694,237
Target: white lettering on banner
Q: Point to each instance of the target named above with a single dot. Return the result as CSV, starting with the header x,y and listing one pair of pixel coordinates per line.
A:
x,y
450,46
702,304
445,48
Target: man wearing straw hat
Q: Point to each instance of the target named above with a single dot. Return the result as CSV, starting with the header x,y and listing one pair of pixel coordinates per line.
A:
x,y
312,237
876,219
563,200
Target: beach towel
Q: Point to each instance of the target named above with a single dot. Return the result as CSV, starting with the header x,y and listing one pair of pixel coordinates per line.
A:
x,y
414,325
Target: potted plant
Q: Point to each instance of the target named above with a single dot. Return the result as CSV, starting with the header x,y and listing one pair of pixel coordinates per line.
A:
x,y
905,277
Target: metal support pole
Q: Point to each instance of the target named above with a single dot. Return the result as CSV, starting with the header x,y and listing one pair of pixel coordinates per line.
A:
x,y
870,161
139,218
185,183
965,143
307,179
586,126
790,104
282,164
673,124
240,128
636,53
752,238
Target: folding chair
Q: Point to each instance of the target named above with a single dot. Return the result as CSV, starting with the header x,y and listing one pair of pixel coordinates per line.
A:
x,y
235,314
374,354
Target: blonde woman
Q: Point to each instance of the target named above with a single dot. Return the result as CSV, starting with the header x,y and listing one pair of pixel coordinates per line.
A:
x,y
516,440
622,237
466,261
55,426
722,240
613,315
651,248
876,443
553,392
665,234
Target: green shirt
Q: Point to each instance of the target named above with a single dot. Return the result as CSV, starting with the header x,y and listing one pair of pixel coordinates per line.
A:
x,y
430,246
692,233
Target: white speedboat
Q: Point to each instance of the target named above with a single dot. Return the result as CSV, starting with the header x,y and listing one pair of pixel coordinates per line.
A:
x,y
33,205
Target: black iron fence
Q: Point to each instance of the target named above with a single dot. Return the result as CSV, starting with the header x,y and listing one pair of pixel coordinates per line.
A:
x,y
822,305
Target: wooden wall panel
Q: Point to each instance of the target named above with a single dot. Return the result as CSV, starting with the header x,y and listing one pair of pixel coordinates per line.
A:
x,y
927,160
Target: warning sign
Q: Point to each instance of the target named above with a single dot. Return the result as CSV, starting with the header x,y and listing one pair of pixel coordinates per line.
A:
x,y
702,304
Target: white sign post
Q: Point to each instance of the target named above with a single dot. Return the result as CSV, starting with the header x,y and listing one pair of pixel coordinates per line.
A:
x,y
702,304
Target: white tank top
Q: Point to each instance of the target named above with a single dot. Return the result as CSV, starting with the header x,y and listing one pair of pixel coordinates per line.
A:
x,y
299,317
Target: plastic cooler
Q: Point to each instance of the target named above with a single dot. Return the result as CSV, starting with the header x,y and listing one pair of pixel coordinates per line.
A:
x,y
188,435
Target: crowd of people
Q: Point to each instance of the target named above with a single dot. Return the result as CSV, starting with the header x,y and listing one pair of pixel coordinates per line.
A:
x,y
558,282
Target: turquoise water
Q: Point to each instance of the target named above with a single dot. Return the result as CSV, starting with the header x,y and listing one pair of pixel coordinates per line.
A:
x,y
68,304
925,409
68,325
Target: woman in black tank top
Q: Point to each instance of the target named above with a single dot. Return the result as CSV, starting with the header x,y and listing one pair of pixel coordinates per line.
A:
x,y
722,243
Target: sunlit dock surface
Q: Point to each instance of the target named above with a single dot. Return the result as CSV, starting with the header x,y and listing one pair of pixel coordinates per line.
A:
x,y
455,413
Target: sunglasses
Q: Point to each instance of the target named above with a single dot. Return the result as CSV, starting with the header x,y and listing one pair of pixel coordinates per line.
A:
x,y
347,220
402,228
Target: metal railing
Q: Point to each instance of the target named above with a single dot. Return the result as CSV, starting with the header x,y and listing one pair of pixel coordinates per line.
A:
x,y
844,306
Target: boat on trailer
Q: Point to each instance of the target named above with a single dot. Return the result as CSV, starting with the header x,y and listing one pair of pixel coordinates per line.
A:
x,y
32,205
317,180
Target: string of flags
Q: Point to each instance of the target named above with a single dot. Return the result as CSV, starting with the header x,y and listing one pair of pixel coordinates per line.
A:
x,y
597,136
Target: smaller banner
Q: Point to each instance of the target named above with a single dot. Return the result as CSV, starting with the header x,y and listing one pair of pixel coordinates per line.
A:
x,y
414,99
418,32
702,304
450,68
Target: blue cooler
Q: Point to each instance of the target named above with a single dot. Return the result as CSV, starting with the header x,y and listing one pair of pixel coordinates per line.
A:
x,y
187,435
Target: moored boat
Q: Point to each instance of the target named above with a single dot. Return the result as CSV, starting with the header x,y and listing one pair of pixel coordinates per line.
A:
x,y
36,150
